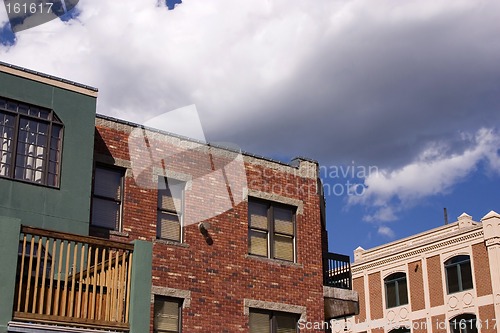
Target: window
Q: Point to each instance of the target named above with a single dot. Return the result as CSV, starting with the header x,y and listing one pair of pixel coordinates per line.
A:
x,y
167,315
107,198
396,292
272,322
458,274
170,209
271,230
30,143
465,323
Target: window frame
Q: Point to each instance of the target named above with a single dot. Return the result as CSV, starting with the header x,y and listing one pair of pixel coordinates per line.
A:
x,y
160,210
458,261
270,237
465,317
51,121
161,298
121,200
396,278
272,318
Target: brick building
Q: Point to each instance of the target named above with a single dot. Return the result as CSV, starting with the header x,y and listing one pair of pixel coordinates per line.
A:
x,y
238,240
443,280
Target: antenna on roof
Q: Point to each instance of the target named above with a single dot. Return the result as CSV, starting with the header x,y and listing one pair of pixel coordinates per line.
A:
x,y
445,216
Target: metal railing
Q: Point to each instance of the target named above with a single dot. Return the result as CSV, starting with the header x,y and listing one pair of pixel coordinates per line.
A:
x,y
337,271
66,278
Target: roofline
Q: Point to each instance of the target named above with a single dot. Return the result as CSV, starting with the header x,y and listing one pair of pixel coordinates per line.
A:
x,y
48,79
387,246
152,129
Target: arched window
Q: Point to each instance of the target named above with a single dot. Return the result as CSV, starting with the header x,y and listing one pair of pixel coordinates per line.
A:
x,y
30,143
458,274
396,291
465,323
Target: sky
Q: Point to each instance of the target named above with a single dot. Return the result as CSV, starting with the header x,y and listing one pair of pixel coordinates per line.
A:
x,y
399,101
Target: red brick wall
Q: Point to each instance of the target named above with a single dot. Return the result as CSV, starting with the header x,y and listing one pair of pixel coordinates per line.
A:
x,y
376,307
487,319
358,284
220,276
420,326
439,324
435,282
481,269
416,283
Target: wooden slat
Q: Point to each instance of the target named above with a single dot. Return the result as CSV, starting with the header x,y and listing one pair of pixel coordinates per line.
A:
x,y
87,283
73,285
80,282
44,275
94,287
30,268
101,284
49,300
59,273
66,274
77,238
21,276
37,272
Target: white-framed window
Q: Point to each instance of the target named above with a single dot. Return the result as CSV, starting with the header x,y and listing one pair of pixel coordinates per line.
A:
x,y
170,209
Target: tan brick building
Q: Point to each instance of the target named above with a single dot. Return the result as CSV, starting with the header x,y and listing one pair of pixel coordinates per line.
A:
x,y
443,280
239,241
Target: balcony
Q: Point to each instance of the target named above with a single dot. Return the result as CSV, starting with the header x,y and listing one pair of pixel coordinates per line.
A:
x,y
71,280
340,299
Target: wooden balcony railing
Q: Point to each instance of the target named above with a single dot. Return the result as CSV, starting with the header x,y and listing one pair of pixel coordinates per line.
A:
x,y
72,280
337,271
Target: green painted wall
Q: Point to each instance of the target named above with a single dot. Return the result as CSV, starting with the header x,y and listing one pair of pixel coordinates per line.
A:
x,y
67,208
140,291
9,243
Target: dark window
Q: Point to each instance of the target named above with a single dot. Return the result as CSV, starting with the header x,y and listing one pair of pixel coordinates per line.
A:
x,y
170,209
458,274
271,230
396,290
167,315
30,143
107,198
465,323
272,322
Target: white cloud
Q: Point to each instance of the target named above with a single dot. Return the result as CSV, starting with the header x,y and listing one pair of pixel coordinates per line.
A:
x,y
435,171
386,231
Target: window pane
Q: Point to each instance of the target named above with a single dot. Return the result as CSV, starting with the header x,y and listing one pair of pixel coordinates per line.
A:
x,y
452,278
466,275
283,221
283,247
286,323
403,291
105,213
108,183
166,315
258,243
169,226
258,215
390,289
167,201
259,322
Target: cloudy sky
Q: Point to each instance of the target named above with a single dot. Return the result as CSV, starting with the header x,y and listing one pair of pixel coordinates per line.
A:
x,y
406,93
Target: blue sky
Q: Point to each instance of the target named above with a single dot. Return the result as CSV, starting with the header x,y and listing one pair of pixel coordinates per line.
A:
x,y
410,88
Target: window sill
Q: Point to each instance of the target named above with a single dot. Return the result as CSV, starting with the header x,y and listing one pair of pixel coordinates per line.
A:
x,y
169,242
274,261
119,233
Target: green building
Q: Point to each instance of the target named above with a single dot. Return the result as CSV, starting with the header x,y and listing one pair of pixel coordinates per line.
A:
x,y
53,274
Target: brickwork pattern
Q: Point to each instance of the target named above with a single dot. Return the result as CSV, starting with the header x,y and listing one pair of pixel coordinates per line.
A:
x,y
416,283
220,276
435,281
486,319
359,285
481,269
374,285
